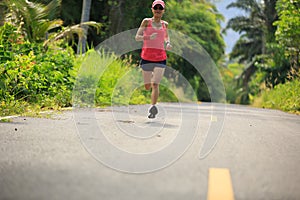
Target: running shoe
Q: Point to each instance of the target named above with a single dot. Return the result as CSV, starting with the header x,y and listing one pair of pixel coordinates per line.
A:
x,y
153,111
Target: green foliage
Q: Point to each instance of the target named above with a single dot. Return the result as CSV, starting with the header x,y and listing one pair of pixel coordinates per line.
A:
x,y
38,23
34,19
200,21
288,29
30,73
230,75
276,65
252,28
92,66
120,84
266,63
106,80
107,85
285,97
35,77
11,42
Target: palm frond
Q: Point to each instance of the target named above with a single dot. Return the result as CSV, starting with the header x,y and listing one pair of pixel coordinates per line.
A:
x,y
54,24
34,17
69,32
92,24
52,9
44,26
243,24
246,5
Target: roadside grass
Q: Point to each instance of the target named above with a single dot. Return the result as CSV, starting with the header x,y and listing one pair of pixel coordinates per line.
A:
x,y
106,80
25,109
285,97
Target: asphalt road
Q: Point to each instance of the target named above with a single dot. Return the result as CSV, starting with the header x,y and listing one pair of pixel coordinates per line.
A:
x,y
65,157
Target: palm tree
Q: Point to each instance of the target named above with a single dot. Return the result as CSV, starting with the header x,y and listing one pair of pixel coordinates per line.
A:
x,y
85,16
35,19
251,28
256,30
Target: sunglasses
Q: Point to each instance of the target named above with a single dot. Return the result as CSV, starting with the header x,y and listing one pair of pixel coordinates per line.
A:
x,y
158,7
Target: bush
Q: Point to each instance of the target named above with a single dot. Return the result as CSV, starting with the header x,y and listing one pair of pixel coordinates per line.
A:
x,y
285,97
106,80
30,73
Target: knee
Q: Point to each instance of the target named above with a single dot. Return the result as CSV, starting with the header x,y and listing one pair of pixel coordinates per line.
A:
x,y
148,86
155,86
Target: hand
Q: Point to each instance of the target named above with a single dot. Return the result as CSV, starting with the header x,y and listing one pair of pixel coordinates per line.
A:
x,y
153,36
168,46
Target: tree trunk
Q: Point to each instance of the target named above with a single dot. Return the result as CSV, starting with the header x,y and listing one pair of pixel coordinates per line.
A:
x,y
117,17
2,15
85,16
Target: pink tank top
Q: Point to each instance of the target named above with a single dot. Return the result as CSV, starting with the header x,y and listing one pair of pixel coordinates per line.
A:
x,y
154,50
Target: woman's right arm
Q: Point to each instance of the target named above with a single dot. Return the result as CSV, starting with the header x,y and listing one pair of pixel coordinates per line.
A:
x,y
139,35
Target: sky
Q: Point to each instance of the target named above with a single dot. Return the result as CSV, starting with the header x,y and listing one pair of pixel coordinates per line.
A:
x,y
231,36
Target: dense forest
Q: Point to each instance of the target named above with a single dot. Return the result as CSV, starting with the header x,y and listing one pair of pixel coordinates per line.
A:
x,y
43,44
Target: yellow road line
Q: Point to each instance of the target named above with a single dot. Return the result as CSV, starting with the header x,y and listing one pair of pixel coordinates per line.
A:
x,y
219,185
213,118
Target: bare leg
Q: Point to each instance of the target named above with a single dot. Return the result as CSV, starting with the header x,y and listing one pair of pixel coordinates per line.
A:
x,y
155,93
147,75
158,73
156,78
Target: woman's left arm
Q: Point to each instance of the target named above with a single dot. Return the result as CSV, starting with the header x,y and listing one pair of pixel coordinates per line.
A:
x,y
167,38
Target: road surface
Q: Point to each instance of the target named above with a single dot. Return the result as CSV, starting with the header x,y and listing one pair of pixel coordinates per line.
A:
x,y
56,158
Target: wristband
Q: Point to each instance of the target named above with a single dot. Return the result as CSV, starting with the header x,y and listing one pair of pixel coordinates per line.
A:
x,y
167,42
146,37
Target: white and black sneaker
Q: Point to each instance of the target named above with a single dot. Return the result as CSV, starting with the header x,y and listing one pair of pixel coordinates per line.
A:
x,y
153,111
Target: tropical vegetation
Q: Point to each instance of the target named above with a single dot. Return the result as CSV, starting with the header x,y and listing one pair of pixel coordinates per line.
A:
x,y
45,43
268,46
